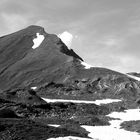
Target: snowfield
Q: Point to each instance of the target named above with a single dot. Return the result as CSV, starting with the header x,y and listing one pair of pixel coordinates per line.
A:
x,y
114,132
111,132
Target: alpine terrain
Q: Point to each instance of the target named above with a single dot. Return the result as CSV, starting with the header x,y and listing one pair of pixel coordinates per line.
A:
x,y
47,91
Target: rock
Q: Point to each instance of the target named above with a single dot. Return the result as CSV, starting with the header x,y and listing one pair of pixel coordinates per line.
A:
x,y
7,113
138,101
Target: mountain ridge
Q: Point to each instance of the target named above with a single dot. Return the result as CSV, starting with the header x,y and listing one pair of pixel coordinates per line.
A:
x,y
21,66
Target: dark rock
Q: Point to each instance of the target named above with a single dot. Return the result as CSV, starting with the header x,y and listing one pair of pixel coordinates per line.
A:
x,y
133,126
74,127
28,130
138,101
7,113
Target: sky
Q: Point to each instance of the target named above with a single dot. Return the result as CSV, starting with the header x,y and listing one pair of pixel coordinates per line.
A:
x,y
105,33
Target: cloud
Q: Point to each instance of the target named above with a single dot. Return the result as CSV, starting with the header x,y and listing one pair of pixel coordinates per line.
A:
x,y
13,22
110,42
66,37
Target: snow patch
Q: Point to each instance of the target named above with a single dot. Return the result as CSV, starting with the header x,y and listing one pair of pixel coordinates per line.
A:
x,y
128,115
106,101
114,132
66,37
54,125
69,138
97,102
110,133
38,40
134,77
87,66
34,88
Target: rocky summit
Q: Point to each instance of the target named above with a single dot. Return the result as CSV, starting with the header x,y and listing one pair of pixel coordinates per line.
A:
x,y
34,66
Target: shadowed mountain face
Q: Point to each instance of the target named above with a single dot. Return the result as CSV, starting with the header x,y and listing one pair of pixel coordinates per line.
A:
x,y
52,61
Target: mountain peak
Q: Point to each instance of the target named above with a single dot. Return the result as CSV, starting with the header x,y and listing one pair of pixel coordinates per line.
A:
x,y
35,28
26,53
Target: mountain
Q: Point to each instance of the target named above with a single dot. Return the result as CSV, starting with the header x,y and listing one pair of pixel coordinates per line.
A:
x,y
52,61
33,58
20,65
36,65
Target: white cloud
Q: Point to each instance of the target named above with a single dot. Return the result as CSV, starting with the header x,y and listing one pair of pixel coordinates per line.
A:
x,y
66,37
